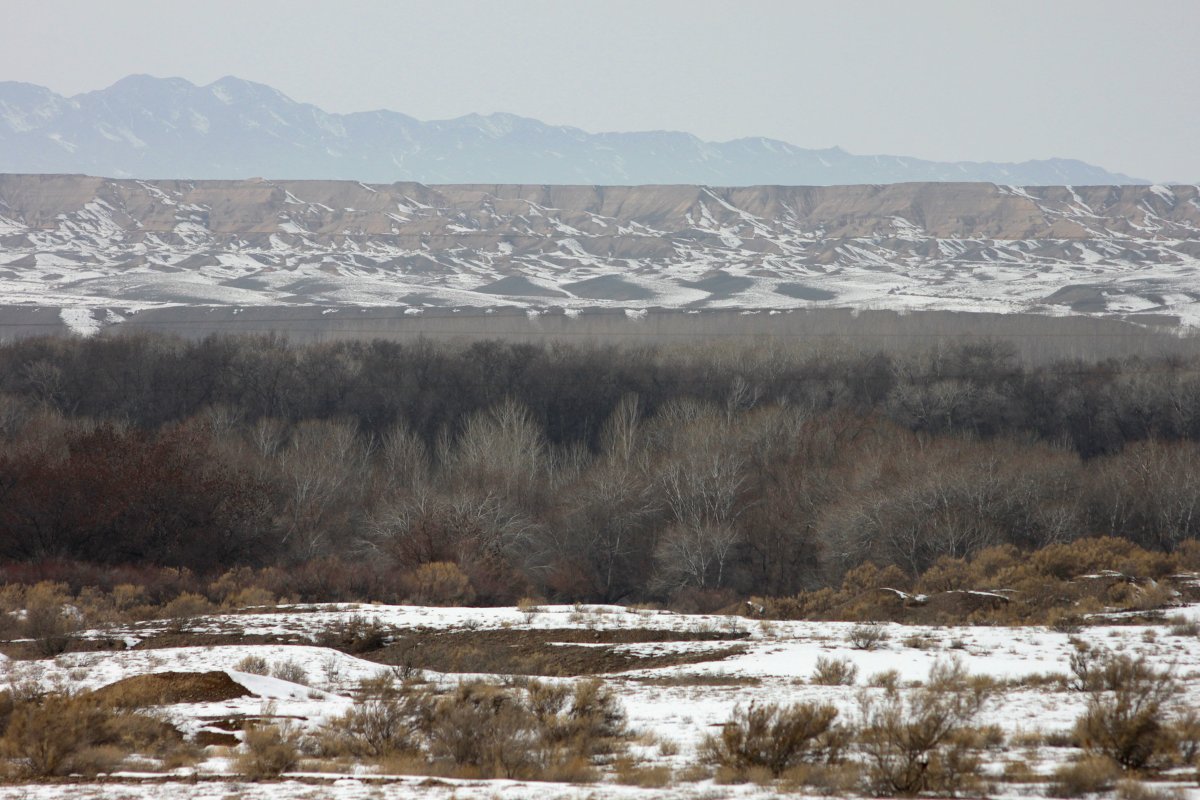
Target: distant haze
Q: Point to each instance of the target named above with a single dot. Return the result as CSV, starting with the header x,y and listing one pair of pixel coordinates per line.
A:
x,y
1103,81
149,127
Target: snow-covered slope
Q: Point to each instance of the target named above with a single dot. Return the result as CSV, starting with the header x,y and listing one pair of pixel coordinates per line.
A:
x,y
82,243
672,708
150,127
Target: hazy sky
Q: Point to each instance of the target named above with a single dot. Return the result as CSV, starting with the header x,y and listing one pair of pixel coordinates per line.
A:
x,y
1113,82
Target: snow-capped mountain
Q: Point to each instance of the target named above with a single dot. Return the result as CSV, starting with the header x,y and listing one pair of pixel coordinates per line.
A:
x,y
149,127
86,243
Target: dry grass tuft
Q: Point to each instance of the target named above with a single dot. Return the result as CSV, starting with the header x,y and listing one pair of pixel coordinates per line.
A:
x,y
648,776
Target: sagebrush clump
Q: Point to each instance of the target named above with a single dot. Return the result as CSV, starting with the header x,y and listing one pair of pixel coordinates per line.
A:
x,y
920,740
1132,717
775,738
268,751
478,729
55,735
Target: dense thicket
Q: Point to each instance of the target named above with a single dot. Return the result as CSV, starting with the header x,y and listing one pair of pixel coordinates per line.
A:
x,y
493,470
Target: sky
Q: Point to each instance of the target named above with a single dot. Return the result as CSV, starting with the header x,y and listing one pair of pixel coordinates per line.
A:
x,y
1111,82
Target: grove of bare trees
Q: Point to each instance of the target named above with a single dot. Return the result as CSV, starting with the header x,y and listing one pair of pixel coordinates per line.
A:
x,y
496,471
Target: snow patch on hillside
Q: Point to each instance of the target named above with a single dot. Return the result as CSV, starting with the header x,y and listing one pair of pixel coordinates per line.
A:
x,y
80,321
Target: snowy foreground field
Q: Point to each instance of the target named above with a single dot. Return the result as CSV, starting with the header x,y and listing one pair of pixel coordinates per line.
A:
x,y
675,692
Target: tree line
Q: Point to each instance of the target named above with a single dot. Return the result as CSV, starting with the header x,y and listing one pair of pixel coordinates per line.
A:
x,y
491,471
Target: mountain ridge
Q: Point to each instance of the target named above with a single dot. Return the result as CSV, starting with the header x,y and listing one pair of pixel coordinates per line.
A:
x,y
149,127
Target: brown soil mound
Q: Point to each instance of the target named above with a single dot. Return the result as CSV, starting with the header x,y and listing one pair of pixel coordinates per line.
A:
x,y
955,606
559,653
962,604
165,688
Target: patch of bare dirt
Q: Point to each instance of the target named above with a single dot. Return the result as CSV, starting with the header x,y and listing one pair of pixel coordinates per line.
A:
x,y
207,738
205,639
558,653
26,650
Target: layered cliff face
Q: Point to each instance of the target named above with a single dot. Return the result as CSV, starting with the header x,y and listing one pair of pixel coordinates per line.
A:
x,y
84,241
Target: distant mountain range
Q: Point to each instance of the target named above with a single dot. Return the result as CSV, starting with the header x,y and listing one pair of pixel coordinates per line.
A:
x,y
150,127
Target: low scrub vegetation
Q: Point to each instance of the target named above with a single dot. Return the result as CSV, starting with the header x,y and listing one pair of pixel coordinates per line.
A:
x,y
922,740
384,722
1134,716
1059,586
775,738
268,751
868,637
902,742
55,735
1085,776
834,672
537,731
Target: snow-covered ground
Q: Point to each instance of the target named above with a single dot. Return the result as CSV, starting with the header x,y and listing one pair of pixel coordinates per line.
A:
x,y
677,704
322,787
